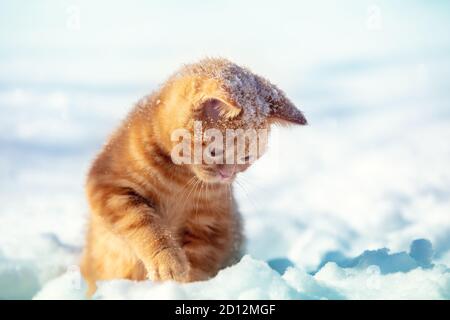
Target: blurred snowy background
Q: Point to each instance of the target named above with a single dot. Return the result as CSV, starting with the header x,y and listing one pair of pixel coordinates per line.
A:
x,y
370,172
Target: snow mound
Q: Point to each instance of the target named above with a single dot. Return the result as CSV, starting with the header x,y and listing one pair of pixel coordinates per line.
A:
x,y
69,286
373,275
420,254
370,283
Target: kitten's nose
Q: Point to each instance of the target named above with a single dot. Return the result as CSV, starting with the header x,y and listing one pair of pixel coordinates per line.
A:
x,y
227,171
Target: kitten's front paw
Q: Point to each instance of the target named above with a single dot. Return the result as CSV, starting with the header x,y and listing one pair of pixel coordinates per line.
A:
x,y
169,264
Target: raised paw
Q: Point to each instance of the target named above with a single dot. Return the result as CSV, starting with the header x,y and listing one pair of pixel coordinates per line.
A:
x,y
169,264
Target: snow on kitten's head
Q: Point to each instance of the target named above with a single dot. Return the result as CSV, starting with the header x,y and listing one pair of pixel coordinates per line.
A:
x,y
228,105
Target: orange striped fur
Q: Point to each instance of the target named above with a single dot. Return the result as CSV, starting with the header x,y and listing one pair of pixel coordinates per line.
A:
x,y
151,218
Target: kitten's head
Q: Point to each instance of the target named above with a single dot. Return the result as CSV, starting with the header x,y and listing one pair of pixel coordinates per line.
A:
x,y
229,117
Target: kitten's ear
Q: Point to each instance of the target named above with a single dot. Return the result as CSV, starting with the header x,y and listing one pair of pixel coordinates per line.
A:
x,y
217,109
285,113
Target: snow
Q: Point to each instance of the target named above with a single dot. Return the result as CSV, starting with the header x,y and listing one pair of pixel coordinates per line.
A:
x,y
255,279
256,95
355,205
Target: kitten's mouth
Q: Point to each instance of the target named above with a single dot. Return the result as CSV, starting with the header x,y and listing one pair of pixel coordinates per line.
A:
x,y
226,175
218,176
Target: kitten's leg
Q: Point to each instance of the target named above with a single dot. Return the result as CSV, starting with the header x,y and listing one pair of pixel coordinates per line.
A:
x,y
208,249
133,218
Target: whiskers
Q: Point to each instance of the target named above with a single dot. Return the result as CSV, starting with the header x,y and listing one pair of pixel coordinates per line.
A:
x,y
194,190
199,196
240,182
185,193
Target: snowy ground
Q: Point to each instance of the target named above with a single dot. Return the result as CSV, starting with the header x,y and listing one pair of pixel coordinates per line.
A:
x,y
370,172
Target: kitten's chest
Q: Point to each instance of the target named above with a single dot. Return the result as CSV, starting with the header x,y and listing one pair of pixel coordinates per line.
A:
x,y
203,207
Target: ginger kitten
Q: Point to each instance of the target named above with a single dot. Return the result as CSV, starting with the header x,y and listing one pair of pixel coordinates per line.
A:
x,y
154,216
